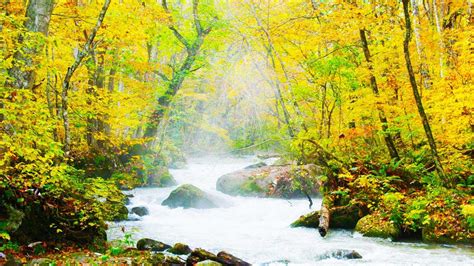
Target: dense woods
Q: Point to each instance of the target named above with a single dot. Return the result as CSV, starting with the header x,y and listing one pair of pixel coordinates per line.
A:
x,y
99,96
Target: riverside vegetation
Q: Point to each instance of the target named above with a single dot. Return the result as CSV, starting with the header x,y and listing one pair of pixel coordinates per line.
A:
x,y
98,97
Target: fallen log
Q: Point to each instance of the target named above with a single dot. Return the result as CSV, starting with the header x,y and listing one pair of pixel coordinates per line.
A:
x,y
324,218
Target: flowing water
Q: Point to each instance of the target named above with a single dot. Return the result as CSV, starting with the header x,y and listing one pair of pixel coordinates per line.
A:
x,y
257,230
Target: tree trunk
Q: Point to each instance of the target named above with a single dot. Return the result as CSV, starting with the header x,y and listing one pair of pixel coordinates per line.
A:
x,y
70,71
441,42
425,75
177,79
419,103
373,83
324,218
38,15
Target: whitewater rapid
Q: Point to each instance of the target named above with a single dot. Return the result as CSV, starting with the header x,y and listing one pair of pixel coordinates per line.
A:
x,y
257,230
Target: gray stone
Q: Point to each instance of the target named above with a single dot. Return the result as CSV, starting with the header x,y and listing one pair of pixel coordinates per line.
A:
x,y
150,244
140,211
341,254
271,181
180,249
189,196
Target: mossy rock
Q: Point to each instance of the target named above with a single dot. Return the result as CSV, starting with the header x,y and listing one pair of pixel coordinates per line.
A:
x,y
341,254
429,236
208,263
345,217
270,181
150,244
375,226
189,196
199,255
121,213
140,211
180,249
229,259
310,220
160,177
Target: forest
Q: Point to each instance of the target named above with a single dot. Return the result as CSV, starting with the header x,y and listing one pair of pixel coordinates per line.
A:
x,y
103,97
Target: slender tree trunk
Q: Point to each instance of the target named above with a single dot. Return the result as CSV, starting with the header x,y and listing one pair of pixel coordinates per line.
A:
x,y
440,35
373,83
70,72
323,109
178,77
419,103
425,75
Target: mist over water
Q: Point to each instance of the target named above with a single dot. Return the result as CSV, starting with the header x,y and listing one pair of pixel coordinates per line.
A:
x,y
257,230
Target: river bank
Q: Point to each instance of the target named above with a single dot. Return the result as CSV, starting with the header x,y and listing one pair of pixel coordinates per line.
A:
x,y
256,230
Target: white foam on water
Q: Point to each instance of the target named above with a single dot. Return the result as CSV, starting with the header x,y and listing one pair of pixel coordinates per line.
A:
x,y
257,229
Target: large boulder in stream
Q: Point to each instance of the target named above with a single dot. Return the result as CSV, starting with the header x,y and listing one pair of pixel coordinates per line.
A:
x,y
189,196
140,211
283,181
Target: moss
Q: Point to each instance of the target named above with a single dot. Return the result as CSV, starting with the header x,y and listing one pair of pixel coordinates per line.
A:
x,y
310,220
345,217
250,186
375,226
199,255
429,236
188,196
180,249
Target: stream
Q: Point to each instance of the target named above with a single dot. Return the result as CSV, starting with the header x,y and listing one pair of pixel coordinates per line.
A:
x,y
257,230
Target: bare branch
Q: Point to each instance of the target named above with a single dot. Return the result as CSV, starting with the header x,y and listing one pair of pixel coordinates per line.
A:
x,y
197,22
175,31
161,75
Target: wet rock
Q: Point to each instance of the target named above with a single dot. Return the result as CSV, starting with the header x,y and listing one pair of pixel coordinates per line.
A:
x,y
257,165
310,220
140,211
161,177
174,260
341,254
180,249
208,263
199,255
189,196
133,218
162,259
229,259
344,217
150,244
375,226
270,181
